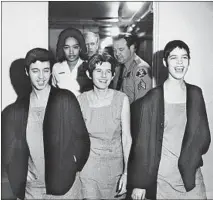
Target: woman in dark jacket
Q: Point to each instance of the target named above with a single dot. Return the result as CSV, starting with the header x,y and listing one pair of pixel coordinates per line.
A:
x,y
170,134
44,137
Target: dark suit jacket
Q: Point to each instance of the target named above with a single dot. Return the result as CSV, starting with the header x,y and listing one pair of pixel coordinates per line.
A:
x,y
147,121
85,83
64,134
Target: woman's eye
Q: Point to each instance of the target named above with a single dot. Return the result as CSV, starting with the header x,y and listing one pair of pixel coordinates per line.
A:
x,y
185,57
76,47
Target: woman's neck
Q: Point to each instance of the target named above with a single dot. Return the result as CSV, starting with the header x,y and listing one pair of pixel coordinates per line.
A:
x,y
175,84
101,94
40,97
175,91
72,64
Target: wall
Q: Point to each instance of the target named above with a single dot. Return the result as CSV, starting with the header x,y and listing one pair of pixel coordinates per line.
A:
x,y
191,22
24,26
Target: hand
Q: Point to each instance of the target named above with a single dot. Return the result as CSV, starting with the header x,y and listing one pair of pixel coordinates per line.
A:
x,y
122,185
138,193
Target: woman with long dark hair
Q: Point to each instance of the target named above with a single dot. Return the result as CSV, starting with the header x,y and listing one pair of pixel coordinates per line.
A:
x,y
70,70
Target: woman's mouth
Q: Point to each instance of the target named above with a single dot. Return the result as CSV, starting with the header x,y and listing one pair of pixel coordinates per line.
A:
x,y
103,81
41,83
71,56
179,69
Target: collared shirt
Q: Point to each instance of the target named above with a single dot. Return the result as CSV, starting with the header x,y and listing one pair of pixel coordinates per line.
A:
x,y
63,78
136,79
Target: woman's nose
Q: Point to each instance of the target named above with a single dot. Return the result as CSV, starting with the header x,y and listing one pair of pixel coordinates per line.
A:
x,y
180,60
103,74
71,50
40,75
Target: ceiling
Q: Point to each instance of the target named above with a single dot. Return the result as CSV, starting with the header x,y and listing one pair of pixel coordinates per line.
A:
x,y
101,14
82,10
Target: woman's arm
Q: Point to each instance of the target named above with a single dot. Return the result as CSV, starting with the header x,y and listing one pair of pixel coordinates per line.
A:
x,y
126,143
126,135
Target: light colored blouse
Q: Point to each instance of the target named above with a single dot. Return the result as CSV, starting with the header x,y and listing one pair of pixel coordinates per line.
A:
x,y
63,78
35,188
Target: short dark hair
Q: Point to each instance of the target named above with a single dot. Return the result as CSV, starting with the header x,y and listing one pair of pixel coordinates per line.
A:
x,y
38,54
100,58
170,46
66,33
131,39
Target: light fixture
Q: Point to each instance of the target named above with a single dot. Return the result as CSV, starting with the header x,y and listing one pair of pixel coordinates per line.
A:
x,y
114,31
134,6
129,29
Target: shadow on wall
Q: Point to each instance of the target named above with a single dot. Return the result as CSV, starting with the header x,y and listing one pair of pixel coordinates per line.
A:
x,y
19,79
21,85
160,72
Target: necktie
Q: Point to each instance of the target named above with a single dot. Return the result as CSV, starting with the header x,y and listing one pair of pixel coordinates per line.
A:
x,y
120,79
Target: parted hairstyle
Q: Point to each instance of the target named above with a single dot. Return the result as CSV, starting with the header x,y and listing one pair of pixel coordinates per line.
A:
x,y
131,39
66,33
38,54
170,46
99,59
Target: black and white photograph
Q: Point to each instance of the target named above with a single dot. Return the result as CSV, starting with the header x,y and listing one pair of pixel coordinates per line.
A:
x,y
106,100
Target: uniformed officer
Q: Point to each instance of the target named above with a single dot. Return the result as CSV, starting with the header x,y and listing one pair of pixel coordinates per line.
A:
x,y
133,75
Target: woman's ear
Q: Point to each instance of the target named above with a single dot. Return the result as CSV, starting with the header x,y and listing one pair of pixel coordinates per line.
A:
x,y
26,72
87,73
164,63
112,77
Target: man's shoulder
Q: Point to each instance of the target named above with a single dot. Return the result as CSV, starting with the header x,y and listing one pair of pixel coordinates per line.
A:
x,y
140,62
141,67
152,95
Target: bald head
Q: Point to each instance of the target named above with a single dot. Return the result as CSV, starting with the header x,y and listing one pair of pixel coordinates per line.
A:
x,y
92,43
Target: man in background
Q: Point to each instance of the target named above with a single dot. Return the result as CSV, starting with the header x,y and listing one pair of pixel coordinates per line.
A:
x,y
92,41
133,75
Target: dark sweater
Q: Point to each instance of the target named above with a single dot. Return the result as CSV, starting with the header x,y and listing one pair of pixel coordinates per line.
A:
x,y
64,134
147,127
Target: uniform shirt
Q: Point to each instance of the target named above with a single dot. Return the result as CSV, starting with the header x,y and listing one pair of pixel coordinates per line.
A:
x,y
63,78
136,79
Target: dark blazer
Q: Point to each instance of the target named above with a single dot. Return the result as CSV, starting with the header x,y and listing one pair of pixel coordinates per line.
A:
x,y
64,134
147,121
85,83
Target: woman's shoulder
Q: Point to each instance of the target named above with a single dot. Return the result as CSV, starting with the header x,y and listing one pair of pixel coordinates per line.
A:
x,y
59,65
119,94
119,97
83,96
193,88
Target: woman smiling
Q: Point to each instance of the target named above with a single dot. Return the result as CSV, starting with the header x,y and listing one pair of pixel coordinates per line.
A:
x,y
106,114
